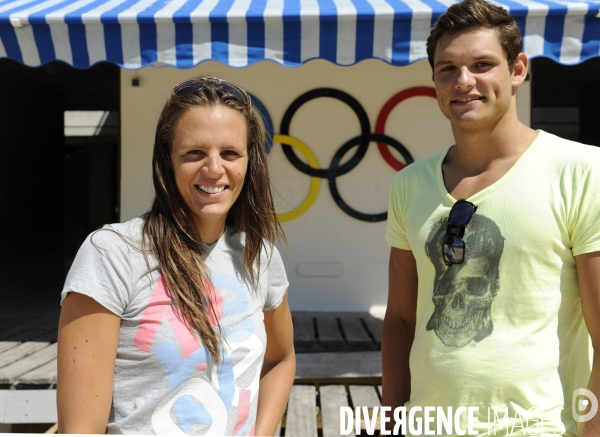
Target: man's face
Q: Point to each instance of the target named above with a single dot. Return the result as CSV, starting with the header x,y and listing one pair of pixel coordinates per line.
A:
x,y
472,78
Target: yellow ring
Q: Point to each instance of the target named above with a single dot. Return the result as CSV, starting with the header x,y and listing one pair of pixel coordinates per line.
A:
x,y
315,184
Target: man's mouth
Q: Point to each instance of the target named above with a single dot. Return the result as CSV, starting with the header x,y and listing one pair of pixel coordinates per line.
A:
x,y
212,190
468,99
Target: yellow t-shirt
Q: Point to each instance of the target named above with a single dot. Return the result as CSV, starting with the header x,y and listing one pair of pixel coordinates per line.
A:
x,y
504,330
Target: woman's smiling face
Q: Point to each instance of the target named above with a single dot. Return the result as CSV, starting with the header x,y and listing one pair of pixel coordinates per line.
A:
x,y
210,158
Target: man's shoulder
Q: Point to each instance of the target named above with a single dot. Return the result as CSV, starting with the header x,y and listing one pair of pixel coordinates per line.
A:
x,y
567,152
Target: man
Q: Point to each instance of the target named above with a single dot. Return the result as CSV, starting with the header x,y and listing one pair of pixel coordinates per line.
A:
x,y
488,304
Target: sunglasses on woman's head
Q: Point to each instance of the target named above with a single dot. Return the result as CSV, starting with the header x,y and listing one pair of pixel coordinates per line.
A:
x,y
194,85
453,246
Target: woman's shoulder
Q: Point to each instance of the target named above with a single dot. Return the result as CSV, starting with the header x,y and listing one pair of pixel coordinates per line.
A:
x,y
118,235
237,241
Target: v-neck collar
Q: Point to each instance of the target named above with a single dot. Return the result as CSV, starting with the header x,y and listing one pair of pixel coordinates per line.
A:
x,y
487,190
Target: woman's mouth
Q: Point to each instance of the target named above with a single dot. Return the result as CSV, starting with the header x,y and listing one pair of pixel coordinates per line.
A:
x,y
211,190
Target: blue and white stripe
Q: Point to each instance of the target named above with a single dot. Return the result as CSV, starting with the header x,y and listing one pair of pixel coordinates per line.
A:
x,y
183,33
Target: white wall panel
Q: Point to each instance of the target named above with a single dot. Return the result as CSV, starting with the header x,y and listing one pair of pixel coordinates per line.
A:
x,y
324,234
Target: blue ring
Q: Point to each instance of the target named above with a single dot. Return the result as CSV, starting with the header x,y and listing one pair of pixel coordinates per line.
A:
x,y
262,110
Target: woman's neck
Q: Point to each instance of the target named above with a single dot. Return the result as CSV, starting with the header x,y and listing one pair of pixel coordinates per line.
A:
x,y
210,232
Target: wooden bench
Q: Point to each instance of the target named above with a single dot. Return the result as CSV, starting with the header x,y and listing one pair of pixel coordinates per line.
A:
x,y
326,381
348,375
314,407
30,365
320,331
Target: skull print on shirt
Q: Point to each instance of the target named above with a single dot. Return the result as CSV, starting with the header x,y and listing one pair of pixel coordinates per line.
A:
x,y
463,293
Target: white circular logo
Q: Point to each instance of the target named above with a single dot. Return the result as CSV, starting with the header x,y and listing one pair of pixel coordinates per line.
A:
x,y
581,405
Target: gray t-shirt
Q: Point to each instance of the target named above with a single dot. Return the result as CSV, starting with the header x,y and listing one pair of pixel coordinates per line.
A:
x,y
165,381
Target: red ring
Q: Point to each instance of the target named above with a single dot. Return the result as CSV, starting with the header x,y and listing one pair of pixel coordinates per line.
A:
x,y
384,114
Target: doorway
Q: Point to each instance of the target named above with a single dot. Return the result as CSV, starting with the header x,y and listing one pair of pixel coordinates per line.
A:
x,y
56,187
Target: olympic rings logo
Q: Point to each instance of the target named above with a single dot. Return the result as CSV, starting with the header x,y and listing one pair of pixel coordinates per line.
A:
x,y
313,168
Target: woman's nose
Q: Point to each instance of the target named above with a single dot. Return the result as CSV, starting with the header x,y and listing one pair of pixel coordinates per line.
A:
x,y
213,163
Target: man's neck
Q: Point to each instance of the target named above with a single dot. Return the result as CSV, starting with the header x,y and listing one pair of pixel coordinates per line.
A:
x,y
483,156
478,149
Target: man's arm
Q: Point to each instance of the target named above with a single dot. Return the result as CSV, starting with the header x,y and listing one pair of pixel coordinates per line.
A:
x,y
399,327
588,273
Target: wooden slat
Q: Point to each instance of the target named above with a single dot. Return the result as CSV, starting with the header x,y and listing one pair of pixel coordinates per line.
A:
x,y
338,364
18,331
53,429
364,396
9,320
332,398
374,326
20,351
6,345
301,418
329,333
355,333
2,405
304,331
10,373
51,335
29,406
45,374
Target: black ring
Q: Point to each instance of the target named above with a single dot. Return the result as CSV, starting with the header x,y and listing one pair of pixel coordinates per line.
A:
x,y
336,161
365,128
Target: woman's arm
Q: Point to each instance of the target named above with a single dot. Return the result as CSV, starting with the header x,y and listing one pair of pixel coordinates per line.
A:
x,y
88,336
278,371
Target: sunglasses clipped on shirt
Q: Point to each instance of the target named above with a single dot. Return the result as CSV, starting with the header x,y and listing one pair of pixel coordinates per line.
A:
x,y
453,246
196,84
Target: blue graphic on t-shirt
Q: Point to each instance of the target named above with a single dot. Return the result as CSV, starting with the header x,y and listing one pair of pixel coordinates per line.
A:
x,y
237,306
190,412
179,370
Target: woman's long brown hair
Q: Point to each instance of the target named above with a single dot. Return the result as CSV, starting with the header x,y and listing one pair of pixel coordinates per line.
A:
x,y
169,233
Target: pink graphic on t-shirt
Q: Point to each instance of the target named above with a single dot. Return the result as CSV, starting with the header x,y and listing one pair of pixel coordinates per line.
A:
x,y
242,410
160,307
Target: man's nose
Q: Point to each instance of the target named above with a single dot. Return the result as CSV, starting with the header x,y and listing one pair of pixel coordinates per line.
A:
x,y
465,78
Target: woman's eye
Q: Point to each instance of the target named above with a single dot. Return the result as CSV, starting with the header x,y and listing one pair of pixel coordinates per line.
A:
x,y
193,155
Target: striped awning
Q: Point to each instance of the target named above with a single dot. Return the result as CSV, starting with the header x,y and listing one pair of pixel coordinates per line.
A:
x,y
183,33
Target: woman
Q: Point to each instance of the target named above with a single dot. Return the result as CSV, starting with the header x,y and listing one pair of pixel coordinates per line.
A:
x,y
201,260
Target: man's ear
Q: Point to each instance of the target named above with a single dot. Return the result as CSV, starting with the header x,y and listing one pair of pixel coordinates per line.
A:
x,y
520,69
